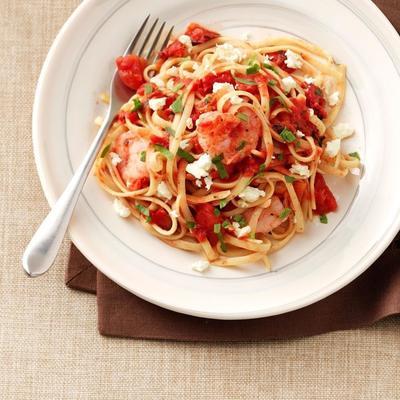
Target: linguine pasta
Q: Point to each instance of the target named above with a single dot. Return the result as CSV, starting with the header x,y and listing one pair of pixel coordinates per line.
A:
x,y
223,146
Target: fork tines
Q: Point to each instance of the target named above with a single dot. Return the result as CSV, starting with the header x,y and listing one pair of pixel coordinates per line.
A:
x,y
150,40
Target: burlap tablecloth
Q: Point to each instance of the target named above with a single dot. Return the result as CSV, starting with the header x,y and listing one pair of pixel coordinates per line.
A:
x,y
49,344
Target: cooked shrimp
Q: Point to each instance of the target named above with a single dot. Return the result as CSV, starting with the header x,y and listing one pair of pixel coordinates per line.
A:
x,y
132,170
269,218
226,134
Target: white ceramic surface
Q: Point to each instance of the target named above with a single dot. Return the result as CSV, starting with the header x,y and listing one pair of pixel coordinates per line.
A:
x,y
313,265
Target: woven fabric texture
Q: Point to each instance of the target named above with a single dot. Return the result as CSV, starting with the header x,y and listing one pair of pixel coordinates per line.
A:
x,y
49,344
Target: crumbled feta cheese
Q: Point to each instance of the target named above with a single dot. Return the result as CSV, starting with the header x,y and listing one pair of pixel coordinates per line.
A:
x,y
98,120
288,83
293,60
208,182
163,191
235,99
174,214
121,209
115,158
311,110
200,266
300,169
171,84
158,103
332,147
333,99
342,130
300,134
251,194
222,85
246,36
105,98
226,52
199,168
355,171
242,204
189,123
267,60
173,71
241,232
198,183
187,41
157,81
184,143
309,80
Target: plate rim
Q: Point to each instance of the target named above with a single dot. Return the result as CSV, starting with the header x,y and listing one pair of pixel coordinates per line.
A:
x,y
363,264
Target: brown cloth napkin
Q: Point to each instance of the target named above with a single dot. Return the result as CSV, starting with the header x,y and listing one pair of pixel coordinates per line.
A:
x,y
371,297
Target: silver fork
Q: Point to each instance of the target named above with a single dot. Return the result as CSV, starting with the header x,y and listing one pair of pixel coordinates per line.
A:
x,y
44,245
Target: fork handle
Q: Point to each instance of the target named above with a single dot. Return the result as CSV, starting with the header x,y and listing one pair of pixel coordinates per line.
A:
x,y
44,245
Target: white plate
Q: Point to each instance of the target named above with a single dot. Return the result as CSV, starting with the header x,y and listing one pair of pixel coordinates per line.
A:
x,y
313,265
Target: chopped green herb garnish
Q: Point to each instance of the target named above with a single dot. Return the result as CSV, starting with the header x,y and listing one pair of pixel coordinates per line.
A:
x,y
287,135
191,224
289,179
261,168
245,81
105,151
170,131
285,213
177,105
177,87
185,155
271,83
355,155
280,156
221,240
223,203
222,172
143,210
241,146
225,224
164,151
143,156
137,105
148,88
217,212
244,117
252,69
323,219
318,91
240,220
207,99
252,235
270,67
297,144
148,219
217,228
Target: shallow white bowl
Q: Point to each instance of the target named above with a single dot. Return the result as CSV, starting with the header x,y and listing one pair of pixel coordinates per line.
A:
x,y
313,265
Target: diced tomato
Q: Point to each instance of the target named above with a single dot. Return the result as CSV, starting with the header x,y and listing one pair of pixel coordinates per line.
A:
x,y
130,70
131,116
298,119
161,218
175,49
316,100
324,199
196,149
278,58
199,34
205,220
140,183
250,166
205,216
161,140
205,85
300,187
